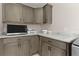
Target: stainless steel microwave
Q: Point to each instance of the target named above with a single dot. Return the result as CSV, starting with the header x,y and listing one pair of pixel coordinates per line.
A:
x,y
16,28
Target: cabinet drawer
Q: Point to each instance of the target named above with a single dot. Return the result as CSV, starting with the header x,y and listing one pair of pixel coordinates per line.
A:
x,y
54,42
10,40
25,38
11,44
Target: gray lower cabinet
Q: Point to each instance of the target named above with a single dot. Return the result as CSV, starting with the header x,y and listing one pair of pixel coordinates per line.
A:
x,y
24,46
18,46
49,50
34,45
25,49
1,47
44,49
50,47
28,45
11,49
55,51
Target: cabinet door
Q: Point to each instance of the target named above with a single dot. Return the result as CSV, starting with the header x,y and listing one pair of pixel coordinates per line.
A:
x,y
27,14
13,12
47,14
38,15
45,49
49,50
1,47
34,44
3,12
55,51
11,49
24,46
19,8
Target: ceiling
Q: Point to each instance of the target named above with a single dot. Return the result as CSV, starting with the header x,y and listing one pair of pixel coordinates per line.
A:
x,y
35,5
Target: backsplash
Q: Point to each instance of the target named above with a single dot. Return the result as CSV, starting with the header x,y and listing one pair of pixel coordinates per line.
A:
x,y
34,27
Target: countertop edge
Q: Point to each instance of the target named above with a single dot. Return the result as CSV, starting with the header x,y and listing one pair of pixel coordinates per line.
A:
x,y
63,40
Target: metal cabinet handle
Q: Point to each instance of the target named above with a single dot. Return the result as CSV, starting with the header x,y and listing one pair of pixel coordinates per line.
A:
x,y
20,19
19,45
49,48
49,41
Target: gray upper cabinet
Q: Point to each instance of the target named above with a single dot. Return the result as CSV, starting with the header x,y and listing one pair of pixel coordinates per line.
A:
x,y
47,14
13,12
43,15
38,15
27,14
19,13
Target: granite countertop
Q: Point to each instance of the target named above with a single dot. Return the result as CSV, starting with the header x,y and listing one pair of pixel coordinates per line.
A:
x,y
61,37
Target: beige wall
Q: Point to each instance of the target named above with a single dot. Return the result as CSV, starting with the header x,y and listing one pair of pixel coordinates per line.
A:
x,y
65,18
